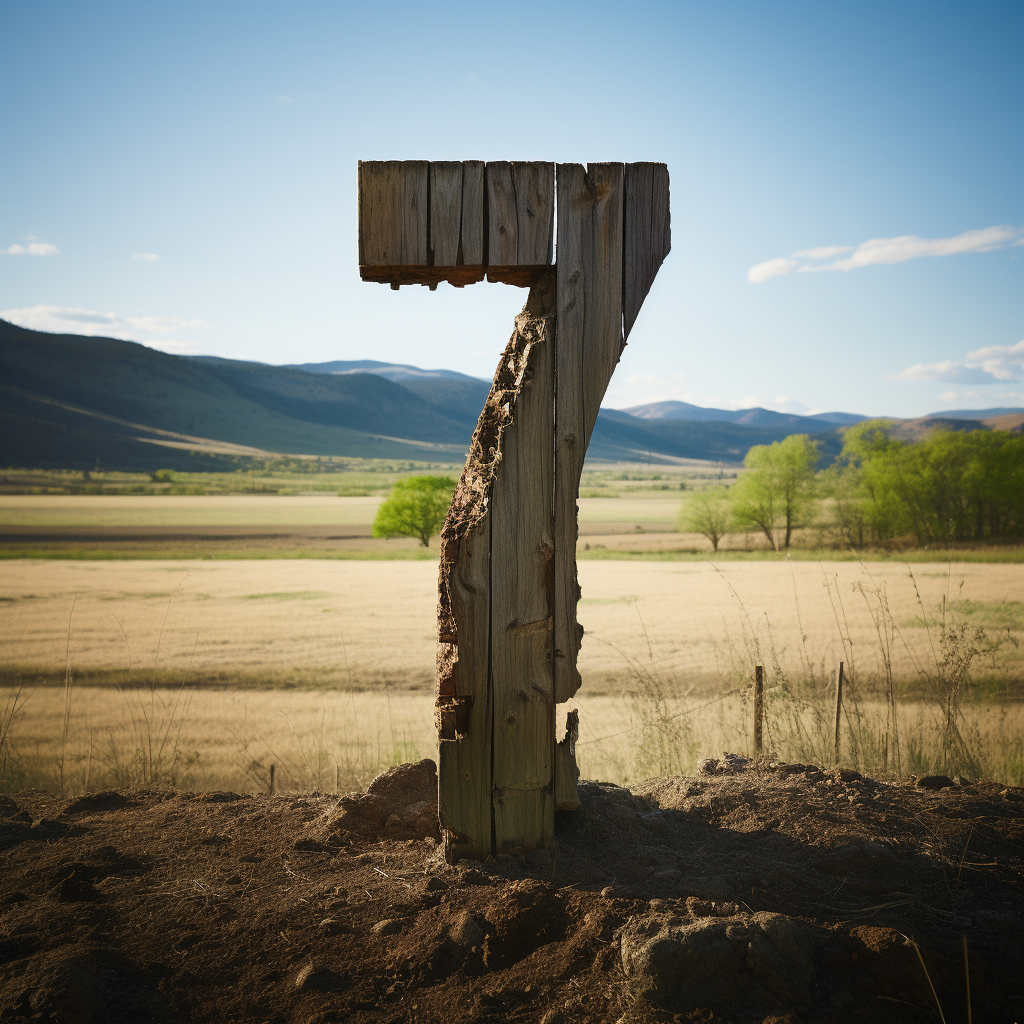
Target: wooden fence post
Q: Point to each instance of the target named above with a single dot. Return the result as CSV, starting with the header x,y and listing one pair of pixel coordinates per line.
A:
x,y
839,711
508,638
758,707
271,780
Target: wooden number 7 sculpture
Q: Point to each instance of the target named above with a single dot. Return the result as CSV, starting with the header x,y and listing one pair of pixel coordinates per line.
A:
x,y
507,631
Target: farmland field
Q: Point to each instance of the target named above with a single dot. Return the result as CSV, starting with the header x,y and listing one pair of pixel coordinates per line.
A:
x,y
189,620
325,668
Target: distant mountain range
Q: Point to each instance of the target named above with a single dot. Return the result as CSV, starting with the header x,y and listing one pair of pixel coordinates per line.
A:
x,y
76,402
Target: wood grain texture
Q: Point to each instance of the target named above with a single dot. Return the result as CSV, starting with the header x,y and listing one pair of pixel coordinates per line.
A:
x,y
445,212
648,234
381,186
522,550
602,269
415,212
473,224
589,286
393,199
534,185
464,709
567,772
502,216
570,432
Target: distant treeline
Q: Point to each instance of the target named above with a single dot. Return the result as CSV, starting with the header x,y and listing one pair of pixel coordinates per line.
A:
x,y
948,488
951,486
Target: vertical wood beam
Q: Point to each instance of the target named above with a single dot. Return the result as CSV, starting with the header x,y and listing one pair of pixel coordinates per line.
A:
x,y
502,216
472,213
445,212
647,236
589,305
464,710
393,198
522,550
534,185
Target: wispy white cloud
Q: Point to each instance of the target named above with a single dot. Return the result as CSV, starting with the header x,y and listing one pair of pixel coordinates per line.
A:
x,y
771,268
146,257
32,249
990,365
91,322
879,251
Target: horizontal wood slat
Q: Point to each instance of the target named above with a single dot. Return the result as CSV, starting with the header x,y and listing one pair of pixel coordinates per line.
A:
x,y
455,221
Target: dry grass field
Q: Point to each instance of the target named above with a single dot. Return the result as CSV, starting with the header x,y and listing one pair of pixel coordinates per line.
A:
x,y
205,673
360,624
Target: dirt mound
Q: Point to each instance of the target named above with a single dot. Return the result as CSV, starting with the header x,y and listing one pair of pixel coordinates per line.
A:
x,y
753,892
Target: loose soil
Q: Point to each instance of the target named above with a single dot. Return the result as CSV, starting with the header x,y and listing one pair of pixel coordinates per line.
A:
x,y
754,892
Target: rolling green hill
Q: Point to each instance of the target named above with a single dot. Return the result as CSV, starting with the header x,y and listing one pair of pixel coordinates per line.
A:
x,y
70,401
79,402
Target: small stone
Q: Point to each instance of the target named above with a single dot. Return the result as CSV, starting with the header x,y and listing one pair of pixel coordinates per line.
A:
x,y
331,926
466,931
849,775
389,926
609,892
436,884
309,846
934,782
315,978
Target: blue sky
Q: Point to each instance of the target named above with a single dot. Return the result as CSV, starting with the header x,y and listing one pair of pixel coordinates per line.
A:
x,y
848,213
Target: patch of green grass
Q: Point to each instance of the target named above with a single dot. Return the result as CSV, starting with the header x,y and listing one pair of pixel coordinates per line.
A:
x,y
1013,556
195,554
289,595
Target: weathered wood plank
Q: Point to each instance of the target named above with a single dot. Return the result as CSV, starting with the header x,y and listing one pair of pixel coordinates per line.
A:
x,y
464,710
445,212
502,216
415,210
602,268
472,213
381,187
567,772
464,704
647,238
589,342
570,432
534,185
522,549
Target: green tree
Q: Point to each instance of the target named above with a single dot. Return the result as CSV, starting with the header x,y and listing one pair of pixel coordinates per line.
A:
x,y
708,513
416,507
778,487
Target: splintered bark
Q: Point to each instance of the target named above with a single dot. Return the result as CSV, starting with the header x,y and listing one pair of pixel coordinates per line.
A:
x,y
495,700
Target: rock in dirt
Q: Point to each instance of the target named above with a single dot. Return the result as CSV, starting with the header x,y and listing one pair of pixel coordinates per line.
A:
x,y
762,960
466,931
92,803
400,804
935,782
391,926
317,978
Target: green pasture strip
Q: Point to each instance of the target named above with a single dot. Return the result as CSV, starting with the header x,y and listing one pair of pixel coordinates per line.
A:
x,y
109,554
1012,556
317,679
992,555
